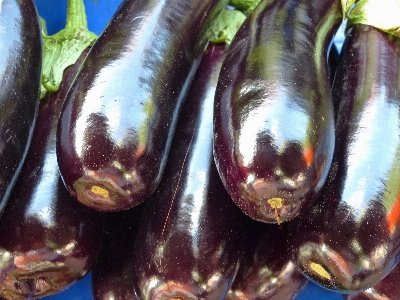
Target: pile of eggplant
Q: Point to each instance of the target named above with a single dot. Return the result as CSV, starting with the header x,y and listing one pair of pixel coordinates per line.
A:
x,y
207,149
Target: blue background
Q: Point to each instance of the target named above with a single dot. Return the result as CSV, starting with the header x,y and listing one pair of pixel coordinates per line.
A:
x,y
99,13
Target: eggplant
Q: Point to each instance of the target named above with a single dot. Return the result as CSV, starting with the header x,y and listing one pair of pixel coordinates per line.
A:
x,y
112,276
191,235
386,289
48,241
118,120
266,269
350,239
273,120
20,74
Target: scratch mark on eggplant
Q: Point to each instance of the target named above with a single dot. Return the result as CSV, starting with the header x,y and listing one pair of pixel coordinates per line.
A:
x,y
177,185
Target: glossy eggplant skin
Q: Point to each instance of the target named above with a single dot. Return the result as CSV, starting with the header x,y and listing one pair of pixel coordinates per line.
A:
x,y
386,289
273,121
191,235
48,240
112,276
266,269
20,75
350,239
117,124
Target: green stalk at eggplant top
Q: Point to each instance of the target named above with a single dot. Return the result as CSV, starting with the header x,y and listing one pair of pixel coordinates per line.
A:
x,y
224,28
64,48
381,15
244,5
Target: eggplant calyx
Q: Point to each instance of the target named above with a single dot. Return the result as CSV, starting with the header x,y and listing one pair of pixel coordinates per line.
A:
x,y
62,49
373,13
224,28
244,5
346,7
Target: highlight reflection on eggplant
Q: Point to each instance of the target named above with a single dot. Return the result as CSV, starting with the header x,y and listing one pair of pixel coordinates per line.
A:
x,y
191,235
119,117
350,239
274,122
20,71
266,269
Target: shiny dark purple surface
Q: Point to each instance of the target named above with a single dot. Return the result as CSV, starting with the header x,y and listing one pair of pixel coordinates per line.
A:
x,y
112,276
191,234
266,269
20,71
48,241
387,289
274,124
350,239
118,121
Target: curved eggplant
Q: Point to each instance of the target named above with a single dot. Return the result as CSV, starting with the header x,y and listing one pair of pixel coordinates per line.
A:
x,y
119,117
350,239
20,74
191,235
112,276
386,289
48,241
274,122
266,269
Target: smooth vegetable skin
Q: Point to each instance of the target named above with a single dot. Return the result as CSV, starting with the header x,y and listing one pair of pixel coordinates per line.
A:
x,y
112,276
273,122
47,239
266,270
20,71
119,117
191,235
387,289
350,239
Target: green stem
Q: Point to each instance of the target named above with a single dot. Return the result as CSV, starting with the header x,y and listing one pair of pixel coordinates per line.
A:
x,y
76,15
62,49
224,28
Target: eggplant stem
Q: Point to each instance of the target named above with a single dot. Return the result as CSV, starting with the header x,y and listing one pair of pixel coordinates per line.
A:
x,y
76,15
62,49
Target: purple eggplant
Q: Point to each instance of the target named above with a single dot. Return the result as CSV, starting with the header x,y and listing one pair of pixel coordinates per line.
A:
x,y
387,289
273,121
191,235
48,240
266,269
350,239
112,276
116,127
20,71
